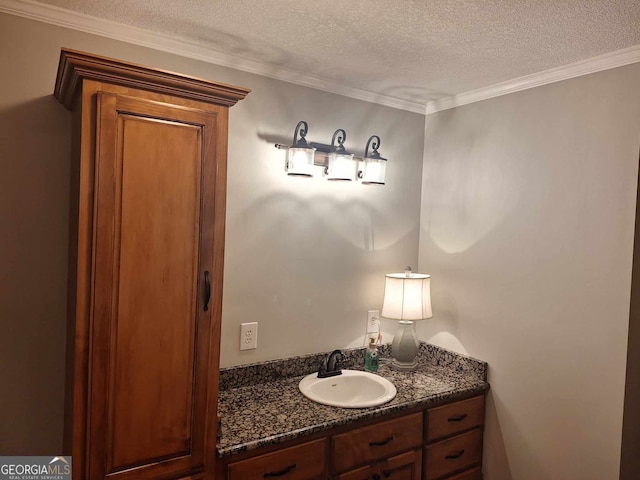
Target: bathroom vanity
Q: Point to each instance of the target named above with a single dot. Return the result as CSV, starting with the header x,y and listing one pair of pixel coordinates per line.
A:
x,y
432,430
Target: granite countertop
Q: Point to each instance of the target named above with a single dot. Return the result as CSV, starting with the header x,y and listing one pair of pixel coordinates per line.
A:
x,y
261,404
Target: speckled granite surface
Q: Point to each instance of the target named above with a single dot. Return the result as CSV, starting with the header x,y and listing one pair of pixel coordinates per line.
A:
x,y
261,405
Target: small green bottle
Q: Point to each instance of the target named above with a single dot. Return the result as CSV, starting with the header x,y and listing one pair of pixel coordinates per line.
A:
x,y
371,358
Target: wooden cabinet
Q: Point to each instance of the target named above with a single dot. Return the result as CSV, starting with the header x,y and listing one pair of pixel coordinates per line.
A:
x,y
439,443
145,277
454,440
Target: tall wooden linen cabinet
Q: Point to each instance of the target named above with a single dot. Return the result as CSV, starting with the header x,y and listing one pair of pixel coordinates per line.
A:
x,y
146,252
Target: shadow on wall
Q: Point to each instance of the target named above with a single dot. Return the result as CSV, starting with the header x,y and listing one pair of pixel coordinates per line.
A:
x,y
495,466
309,266
468,194
34,202
300,243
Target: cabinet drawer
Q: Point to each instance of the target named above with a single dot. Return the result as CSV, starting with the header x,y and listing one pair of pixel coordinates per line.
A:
x,y
302,462
473,474
453,454
376,441
456,417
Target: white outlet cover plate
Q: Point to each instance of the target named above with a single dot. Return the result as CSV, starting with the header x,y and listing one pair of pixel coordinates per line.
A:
x,y
248,336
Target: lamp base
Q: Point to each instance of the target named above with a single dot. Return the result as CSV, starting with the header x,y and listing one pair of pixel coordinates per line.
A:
x,y
403,367
404,347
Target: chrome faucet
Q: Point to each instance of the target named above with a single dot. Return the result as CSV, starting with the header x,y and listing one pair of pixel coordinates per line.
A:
x,y
330,365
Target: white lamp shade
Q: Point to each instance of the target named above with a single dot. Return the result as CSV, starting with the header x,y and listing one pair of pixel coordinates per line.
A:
x,y
341,166
374,171
300,161
407,297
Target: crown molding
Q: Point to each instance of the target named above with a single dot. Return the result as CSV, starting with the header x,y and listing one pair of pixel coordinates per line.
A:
x,y
145,38
606,61
75,67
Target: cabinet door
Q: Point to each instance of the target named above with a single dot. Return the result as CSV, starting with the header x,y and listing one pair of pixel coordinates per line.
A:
x,y
153,271
407,466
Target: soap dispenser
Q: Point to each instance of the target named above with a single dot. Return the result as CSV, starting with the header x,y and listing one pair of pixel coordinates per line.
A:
x,y
371,358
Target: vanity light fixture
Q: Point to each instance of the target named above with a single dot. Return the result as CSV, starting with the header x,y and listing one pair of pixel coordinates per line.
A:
x,y
338,163
407,297
300,154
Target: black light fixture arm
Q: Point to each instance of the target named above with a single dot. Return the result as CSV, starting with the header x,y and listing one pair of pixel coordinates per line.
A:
x,y
302,128
376,143
341,136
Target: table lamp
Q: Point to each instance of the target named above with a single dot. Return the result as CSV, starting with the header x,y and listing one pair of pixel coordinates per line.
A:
x,y
407,297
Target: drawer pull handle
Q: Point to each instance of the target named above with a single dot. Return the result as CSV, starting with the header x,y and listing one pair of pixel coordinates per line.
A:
x,y
455,456
457,418
381,443
207,290
386,473
281,473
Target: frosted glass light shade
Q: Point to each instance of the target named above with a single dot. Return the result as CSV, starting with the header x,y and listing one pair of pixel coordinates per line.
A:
x,y
300,161
374,172
407,296
341,166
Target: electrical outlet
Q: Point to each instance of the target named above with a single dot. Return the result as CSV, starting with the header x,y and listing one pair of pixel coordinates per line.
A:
x,y
248,336
373,322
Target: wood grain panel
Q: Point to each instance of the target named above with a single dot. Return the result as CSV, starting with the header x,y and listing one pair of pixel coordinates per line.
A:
x,y
453,454
155,324
473,474
377,441
456,417
152,246
302,462
362,473
406,466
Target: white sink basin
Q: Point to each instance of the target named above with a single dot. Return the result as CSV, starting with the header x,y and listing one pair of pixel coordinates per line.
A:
x,y
352,389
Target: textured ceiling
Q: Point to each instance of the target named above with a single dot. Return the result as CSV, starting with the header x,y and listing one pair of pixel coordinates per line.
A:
x,y
407,49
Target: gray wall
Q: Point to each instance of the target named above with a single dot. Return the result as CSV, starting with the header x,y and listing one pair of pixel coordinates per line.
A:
x,y
630,461
304,258
527,226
